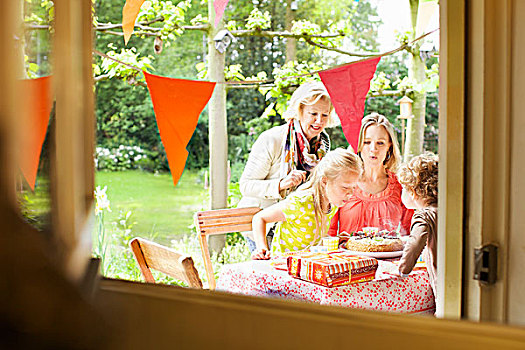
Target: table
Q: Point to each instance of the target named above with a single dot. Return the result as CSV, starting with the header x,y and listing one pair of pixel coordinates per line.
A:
x,y
412,294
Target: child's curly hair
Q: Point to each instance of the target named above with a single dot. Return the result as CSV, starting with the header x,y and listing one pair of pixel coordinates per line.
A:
x,y
420,177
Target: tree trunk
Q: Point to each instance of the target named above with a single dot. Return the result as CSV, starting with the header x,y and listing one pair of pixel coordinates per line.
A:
x,y
19,44
291,43
416,72
218,136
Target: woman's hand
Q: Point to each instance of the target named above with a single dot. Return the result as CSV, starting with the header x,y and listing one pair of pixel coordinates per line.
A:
x,y
293,179
260,254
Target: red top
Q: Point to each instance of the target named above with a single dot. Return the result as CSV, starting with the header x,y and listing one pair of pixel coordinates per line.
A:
x,y
384,210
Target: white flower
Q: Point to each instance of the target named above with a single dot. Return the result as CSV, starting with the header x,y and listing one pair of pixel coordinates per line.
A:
x,y
101,200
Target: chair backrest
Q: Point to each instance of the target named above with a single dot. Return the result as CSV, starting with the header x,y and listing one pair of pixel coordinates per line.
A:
x,y
151,255
221,221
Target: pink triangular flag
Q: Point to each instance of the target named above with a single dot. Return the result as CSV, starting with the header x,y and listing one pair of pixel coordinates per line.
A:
x,y
219,6
347,87
36,110
177,104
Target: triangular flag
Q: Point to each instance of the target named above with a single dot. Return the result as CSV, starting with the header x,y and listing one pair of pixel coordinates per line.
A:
x,y
219,6
36,109
347,87
177,104
426,10
129,16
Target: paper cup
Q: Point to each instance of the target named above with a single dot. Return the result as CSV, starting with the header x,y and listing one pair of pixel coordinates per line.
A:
x,y
331,243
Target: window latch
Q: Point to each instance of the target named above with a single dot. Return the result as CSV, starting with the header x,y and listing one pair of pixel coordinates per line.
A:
x,y
486,264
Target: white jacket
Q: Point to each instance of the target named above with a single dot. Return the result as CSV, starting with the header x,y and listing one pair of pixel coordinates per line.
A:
x,y
259,183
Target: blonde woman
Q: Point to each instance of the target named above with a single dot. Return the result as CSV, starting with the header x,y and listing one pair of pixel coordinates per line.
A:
x,y
376,200
304,216
282,157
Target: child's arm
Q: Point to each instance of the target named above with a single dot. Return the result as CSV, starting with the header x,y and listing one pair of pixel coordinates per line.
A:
x,y
414,246
259,221
334,224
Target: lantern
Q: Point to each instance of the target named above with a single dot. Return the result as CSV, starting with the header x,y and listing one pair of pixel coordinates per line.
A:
x,y
405,112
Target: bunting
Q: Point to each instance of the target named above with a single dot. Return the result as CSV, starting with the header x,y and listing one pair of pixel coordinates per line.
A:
x,y
129,16
36,112
348,86
219,6
177,104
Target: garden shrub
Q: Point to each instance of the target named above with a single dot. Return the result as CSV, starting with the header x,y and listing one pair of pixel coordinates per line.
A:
x,y
129,157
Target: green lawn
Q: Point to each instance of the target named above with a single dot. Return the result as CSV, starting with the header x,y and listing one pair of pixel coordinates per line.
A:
x,y
159,209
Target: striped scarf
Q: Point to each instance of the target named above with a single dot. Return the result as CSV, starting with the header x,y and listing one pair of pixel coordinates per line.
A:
x,y
298,153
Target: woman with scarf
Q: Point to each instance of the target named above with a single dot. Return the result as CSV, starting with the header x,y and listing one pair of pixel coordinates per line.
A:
x,y
282,157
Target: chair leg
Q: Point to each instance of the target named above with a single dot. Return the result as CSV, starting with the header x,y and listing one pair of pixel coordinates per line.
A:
x,y
207,261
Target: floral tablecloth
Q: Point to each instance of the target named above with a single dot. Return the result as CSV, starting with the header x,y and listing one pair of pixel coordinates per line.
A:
x,y
387,292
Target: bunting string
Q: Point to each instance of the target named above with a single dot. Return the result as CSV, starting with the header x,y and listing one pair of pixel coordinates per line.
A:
x,y
270,81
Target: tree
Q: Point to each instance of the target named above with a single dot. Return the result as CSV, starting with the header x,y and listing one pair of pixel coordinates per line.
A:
x,y
417,74
259,50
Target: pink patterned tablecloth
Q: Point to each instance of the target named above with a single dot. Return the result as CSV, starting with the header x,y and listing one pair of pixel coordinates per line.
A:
x,y
412,294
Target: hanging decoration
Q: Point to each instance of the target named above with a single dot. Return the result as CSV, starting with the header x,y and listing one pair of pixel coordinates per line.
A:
x,y
129,16
219,6
426,10
177,104
36,112
348,86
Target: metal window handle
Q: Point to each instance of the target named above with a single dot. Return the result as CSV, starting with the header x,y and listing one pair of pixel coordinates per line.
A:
x,y
486,264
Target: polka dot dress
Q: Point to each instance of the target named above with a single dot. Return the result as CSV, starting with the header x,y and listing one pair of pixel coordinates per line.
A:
x,y
298,231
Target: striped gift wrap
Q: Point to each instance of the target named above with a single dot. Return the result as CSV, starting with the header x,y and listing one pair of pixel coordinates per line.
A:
x,y
331,269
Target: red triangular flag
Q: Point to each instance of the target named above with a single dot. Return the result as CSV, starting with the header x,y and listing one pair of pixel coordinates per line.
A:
x,y
219,6
177,104
347,87
38,103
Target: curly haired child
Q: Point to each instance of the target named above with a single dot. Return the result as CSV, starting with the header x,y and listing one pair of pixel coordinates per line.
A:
x,y
419,178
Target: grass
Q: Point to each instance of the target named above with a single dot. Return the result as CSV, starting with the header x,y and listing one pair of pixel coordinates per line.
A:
x,y
36,206
159,209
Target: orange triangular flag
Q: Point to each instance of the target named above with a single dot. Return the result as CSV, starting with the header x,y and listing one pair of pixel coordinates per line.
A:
x,y
37,93
129,16
177,104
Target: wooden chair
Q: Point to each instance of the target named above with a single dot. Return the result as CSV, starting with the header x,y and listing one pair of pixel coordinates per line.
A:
x,y
150,255
220,221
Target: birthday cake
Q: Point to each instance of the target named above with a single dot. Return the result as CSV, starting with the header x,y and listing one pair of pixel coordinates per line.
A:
x,y
383,241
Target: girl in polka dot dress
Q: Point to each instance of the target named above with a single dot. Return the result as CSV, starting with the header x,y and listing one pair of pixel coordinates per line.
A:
x,y
304,216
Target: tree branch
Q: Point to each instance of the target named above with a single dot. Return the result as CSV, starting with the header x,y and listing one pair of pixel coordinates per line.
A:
x,y
266,33
101,77
122,34
387,93
155,20
355,54
105,27
251,86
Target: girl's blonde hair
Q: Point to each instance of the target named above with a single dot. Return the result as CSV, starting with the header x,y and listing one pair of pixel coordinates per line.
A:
x,y
393,156
330,167
420,177
306,95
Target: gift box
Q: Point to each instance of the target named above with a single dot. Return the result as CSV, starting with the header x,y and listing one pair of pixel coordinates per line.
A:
x,y
331,269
